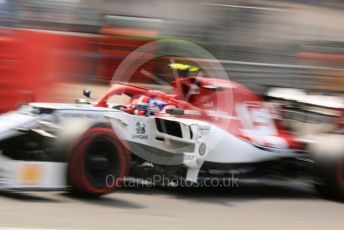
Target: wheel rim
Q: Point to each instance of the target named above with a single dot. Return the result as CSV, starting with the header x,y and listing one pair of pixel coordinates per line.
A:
x,y
81,156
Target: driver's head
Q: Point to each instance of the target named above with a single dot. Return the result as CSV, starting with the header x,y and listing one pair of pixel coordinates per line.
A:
x,y
183,70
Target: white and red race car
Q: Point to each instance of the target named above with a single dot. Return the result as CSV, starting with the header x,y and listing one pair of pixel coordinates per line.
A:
x,y
208,128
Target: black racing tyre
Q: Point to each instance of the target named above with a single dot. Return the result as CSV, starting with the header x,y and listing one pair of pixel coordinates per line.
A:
x,y
97,162
330,178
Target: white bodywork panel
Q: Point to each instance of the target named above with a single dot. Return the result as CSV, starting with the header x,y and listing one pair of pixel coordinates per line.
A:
x,y
231,149
34,175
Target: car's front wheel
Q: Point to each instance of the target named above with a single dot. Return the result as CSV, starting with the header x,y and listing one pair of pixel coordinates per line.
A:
x,y
97,162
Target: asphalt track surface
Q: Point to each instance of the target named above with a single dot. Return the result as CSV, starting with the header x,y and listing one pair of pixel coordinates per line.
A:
x,y
295,206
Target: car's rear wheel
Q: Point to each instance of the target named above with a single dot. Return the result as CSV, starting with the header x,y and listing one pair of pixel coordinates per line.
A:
x,y
330,178
97,162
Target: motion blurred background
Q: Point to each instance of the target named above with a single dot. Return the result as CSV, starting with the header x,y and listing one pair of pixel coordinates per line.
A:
x,y
51,49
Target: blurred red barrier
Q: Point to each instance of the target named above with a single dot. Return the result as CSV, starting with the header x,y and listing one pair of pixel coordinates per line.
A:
x,y
113,50
31,61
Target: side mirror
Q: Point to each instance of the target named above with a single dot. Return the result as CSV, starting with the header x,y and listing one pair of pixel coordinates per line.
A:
x,y
87,93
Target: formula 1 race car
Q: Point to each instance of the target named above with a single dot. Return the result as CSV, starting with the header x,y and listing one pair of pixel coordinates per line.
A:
x,y
208,128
